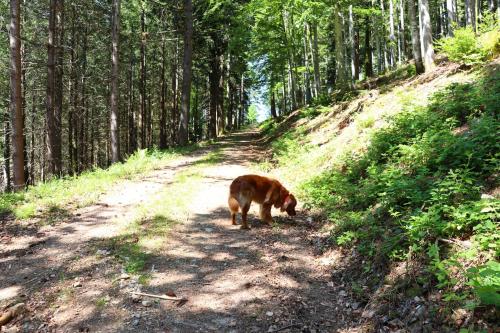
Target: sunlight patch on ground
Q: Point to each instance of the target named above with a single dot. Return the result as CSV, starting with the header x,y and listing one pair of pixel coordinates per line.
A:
x,y
9,292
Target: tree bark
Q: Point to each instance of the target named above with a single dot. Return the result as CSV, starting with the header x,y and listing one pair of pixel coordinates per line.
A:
x,y
114,100
313,45
163,99
186,73
16,114
132,128
142,87
214,93
392,36
368,50
6,153
54,88
307,74
426,37
415,37
402,30
273,105
341,81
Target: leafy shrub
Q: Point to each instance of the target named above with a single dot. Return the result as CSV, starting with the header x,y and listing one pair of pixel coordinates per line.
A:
x,y
485,281
465,47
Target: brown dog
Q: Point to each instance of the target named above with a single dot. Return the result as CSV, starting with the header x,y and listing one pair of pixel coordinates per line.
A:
x,y
265,191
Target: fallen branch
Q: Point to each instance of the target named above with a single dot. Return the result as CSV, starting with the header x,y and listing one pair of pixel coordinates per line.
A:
x,y
164,297
11,313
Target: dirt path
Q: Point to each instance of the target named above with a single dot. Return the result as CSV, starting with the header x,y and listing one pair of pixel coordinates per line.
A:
x,y
262,280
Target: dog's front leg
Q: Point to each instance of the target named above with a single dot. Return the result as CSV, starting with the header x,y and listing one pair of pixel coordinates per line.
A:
x,y
265,213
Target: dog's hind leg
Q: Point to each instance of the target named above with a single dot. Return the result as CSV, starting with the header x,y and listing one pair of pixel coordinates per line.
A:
x,y
244,212
234,206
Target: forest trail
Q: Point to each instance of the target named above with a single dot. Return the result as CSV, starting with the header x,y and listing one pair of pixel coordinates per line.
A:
x,y
262,280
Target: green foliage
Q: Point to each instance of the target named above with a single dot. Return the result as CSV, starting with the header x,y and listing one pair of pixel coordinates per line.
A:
x,y
465,47
485,281
420,181
252,114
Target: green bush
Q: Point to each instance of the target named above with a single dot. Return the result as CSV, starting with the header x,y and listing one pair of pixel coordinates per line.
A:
x,y
467,48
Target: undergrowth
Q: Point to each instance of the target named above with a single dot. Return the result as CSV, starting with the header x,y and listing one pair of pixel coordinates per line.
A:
x,y
424,187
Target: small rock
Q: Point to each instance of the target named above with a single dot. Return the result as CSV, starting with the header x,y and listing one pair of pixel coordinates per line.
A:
x,y
272,328
136,315
269,313
146,303
309,220
368,314
396,323
343,293
77,284
124,276
355,305
416,299
209,229
135,322
330,284
135,298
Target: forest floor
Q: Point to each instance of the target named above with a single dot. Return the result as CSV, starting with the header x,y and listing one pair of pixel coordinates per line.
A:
x,y
79,274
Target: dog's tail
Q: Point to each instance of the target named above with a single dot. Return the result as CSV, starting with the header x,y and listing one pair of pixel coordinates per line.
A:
x,y
234,206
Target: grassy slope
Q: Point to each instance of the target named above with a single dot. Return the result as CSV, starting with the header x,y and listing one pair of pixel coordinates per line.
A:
x,y
406,173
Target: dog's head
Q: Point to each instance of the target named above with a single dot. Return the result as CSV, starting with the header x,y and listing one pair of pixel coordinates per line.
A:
x,y
289,205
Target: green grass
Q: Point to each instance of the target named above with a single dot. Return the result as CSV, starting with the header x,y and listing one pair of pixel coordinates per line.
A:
x,y
72,192
396,191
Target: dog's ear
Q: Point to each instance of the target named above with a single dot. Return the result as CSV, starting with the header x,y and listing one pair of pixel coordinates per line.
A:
x,y
281,199
288,202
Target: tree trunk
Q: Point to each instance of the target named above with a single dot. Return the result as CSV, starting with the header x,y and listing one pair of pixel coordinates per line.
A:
x,y
54,88
214,94
6,153
142,87
16,113
307,73
368,50
291,63
273,105
242,100
114,130
415,37
351,42
220,98
163,99
186,73
451,16
402,29
426,37
383,38
470,13
230,95
132,128
392,35
341,81
313,46
58,88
